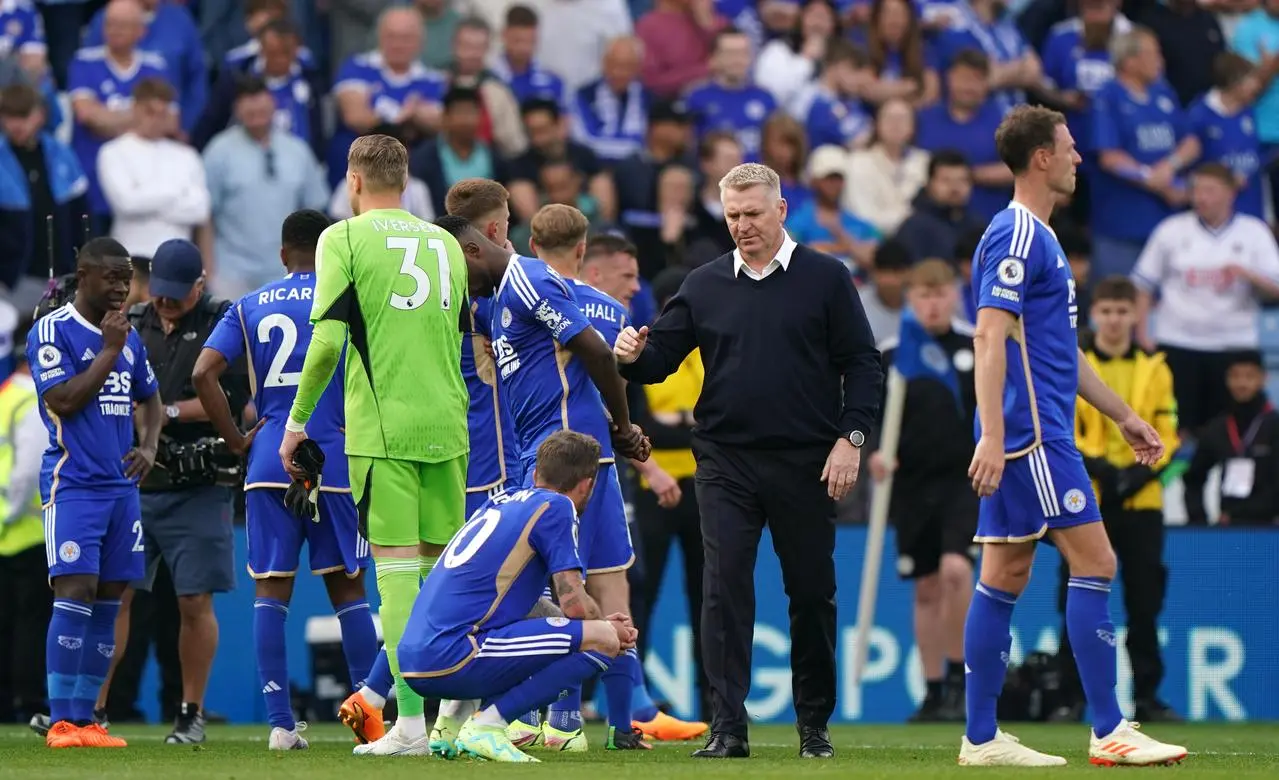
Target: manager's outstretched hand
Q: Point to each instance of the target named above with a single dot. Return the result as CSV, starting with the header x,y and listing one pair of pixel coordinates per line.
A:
x,y
630,343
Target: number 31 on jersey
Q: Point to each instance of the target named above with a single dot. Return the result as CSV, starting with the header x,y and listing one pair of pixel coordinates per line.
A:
x,y
409,247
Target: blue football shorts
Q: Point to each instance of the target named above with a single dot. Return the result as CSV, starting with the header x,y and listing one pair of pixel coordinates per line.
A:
x,y
1046,489
604,538
502,658
98,535
276,535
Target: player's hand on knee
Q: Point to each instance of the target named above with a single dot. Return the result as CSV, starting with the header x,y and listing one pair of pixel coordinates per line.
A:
x,y
987,467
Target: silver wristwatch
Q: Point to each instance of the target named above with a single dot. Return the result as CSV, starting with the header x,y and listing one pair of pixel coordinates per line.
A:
x,y
856,438
171,411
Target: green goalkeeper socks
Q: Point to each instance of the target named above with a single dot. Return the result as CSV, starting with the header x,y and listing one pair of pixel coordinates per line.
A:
x,y
425,564
398,584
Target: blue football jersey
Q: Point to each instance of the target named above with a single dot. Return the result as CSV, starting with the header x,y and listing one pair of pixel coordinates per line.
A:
x,y
831,119
535,313
740,111
495,454
271,327
92,74
293,100
1020,268
239,57
1072,68
492,572
21,29
86,450
605,313
533,83
1148,129
1001,41
975,138
1231,139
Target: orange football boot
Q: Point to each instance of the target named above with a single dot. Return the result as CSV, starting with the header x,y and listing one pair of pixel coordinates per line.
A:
x,y
63,734
362,718
665,728
94,736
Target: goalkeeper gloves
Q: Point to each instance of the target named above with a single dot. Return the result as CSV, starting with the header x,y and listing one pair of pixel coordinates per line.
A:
x,y
304,492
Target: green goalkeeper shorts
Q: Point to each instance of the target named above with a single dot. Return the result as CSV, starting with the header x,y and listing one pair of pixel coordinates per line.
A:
x,y
404,502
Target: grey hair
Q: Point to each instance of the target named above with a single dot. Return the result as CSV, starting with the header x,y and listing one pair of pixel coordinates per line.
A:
x,y
1125,47
748,175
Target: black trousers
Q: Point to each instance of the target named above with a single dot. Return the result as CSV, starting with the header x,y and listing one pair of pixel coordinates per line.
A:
x,y
25,611
739,490
1199,383
1138,539
153,618
656,529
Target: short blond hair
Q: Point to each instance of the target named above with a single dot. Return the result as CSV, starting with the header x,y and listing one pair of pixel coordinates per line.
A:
x,y
558,226
382,161
748,175
932,273
474,199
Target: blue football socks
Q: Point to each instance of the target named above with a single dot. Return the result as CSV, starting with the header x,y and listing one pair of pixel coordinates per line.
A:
x,y
619,684
359,639
543,688
64,647
643,708
565,712
269,616
987,641
1092,637
95,660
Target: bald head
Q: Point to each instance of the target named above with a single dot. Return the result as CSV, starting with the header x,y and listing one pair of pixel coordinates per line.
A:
x,y
622,62
399,37
123,25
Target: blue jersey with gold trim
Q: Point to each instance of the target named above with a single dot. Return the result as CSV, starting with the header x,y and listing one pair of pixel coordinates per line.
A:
x,y
605,313
495,455
535,313
86,450
271,326
492,572
1019,267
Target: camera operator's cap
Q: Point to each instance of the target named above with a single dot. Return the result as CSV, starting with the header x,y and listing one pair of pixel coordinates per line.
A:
x,y
826,161
175,268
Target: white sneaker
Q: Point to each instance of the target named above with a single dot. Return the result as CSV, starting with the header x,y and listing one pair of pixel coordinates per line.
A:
x,y
284,739
1126,746
1004,750
395,744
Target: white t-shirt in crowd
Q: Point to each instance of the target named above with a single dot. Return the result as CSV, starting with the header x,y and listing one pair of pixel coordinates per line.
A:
x,y
1202,305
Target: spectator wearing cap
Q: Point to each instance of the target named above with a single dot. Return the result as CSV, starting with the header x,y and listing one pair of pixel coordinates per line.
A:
x,y
822,222
885,294
500,126
258,174
40,177
154,185
186,523
728,101
678,37
790,61
1243,440
458,152
516,65
548,136
941,210
965,122
640,207
832,109
888,173
1226,125
610,115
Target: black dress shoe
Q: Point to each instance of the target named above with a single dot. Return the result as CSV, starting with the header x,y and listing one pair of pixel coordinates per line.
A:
x,y
815,743
724,746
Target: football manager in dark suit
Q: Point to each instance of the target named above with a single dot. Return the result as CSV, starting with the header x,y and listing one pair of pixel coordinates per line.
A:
x,y
792,386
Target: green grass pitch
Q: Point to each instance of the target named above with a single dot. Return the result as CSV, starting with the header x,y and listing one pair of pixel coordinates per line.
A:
x,y
890,752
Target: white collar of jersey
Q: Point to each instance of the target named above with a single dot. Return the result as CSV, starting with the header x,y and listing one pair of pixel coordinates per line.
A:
x,y
1216,232
782,257
416,70
1012,204
1213,101
78,317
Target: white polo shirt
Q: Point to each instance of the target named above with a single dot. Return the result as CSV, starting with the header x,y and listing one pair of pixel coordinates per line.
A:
x,y
1202,305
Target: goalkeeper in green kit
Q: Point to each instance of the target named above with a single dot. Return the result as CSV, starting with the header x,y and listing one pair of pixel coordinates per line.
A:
x,y
393,285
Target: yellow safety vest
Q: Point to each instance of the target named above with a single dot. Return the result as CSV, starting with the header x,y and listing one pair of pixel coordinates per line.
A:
x,y
678,393
17,399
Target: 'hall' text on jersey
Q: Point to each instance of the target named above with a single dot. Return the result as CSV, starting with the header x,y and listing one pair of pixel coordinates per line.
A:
x,y
535,313
1019,267
492,573
399,284
86,450
271,326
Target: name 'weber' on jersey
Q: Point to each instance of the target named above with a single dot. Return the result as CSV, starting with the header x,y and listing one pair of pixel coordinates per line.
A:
x,y
1020,267
86,449
271,326
535,313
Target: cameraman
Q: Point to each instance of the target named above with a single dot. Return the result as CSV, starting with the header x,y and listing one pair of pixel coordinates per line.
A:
x,y
186,516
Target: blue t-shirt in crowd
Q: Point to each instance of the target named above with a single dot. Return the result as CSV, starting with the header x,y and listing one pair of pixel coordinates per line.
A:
x,y
1230,139
1072,68
975,138
737,110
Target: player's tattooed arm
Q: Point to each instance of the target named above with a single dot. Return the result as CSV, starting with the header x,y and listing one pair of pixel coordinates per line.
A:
x,y
545,608
575,602
71,396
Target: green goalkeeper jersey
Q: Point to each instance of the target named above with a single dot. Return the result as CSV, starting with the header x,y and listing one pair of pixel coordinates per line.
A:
x,y
398,282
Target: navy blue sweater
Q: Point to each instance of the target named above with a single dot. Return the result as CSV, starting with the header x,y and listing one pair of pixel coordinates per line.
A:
x,y
790,359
